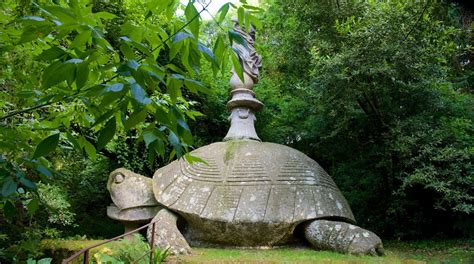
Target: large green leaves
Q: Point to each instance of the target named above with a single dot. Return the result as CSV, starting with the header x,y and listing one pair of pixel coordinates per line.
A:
x,y
136,118
46,146
237,66
139,94
192,16
100,78
107,133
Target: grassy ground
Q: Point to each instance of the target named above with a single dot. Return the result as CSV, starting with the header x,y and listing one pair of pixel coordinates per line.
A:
x,y
396,252
445,252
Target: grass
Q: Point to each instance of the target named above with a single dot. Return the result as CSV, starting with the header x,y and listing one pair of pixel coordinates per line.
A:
x,y
445,252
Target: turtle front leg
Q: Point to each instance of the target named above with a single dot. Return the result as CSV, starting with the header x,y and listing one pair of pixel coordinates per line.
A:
x,y
167,234
343,237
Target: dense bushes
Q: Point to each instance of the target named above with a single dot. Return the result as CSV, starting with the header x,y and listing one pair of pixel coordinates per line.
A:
x,y
378,93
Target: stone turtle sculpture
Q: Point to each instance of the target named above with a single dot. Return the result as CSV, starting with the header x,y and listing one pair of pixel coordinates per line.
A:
x,y
247,194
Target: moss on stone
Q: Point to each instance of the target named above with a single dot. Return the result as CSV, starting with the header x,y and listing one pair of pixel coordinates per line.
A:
x,y
60,249
231,147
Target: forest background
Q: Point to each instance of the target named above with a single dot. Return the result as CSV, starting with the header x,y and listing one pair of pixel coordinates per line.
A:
x,y
378,92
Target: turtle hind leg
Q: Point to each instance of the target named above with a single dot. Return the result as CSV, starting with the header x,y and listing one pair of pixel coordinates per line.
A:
x,y
167,234
342,237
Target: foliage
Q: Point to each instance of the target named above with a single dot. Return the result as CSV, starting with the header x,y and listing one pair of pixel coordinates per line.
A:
x,y
376,91
128,251
54,198
83,182
89,75
92,87
40,261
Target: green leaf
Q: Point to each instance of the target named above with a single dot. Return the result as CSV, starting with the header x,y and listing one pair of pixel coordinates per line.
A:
x,y
46,146
9,209
81,40
181,36
33,206
255,21
155,72
192,16
174,140
27,183
174,88
45,261
207,53
106,134
162,116
89,148
195,86
175,49
9,187
73,141
183,124
73,61
235,36
241,16
136,118
59,72
51,54
150,136
185,60
193,159
82,74
255,8
218,50
237,66
64,15
127,51
104,15
26,94
116,87
139,94
247,23
133,64
222,12
34,32
43,170
139,46
193,114
33,18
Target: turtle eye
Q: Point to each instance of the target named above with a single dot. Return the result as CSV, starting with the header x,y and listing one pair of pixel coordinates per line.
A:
x,y
119,178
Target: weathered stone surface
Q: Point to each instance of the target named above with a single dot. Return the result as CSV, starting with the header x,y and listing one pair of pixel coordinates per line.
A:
x,y
343,237
167,235
136,214
132,194
128,189
248,194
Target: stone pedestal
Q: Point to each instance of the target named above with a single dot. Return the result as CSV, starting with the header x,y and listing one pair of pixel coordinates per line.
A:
x,y
242,106
129,226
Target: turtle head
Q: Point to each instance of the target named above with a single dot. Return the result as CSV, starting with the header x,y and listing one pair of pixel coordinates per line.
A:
x,y
130,190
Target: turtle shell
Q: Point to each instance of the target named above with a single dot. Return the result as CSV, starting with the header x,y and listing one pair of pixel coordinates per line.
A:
x,y
247,181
